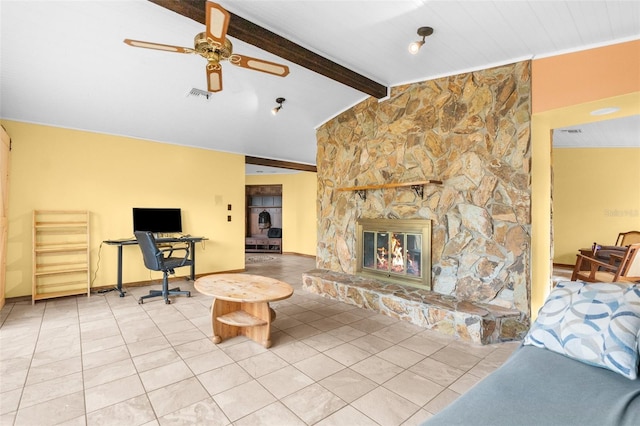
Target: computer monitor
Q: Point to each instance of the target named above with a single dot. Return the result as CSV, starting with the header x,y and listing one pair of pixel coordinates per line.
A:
x,y
157,220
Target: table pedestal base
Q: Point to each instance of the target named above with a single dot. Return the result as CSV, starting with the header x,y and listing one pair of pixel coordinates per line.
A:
x,y
230,319
241,304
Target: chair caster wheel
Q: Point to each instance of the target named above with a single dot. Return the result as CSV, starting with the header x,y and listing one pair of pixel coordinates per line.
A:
x,y
168,302
140,301
121,294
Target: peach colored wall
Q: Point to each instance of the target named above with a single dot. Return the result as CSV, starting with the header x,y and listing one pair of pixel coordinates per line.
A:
x,y
585,76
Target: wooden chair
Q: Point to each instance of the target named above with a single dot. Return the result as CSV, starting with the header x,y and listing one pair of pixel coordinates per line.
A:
x,y
626,238
623,267
603,252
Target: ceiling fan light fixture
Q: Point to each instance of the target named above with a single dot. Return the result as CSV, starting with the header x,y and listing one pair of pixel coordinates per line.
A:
x,y
215,47
277,109
423,32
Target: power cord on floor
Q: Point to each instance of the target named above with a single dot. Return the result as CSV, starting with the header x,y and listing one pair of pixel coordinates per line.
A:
x,y
95,274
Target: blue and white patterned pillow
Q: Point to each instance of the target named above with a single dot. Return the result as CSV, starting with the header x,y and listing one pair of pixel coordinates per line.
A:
x,y
595,323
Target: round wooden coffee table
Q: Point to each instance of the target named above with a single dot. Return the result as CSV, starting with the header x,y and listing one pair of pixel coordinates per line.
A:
x,y
241,304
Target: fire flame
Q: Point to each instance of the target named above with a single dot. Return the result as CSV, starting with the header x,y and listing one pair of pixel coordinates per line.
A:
x,y
397,256
391,255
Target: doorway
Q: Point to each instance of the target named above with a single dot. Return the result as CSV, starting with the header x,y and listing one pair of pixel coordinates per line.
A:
x,y
595,185
5,148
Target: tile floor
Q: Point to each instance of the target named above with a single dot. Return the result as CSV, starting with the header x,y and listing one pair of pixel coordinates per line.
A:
x,y
561,273
108,360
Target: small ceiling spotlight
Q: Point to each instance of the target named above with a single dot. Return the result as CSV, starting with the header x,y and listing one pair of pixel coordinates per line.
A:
x,y
277,109
416,45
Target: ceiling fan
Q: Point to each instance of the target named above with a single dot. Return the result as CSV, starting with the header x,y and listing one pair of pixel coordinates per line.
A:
x,y
214,46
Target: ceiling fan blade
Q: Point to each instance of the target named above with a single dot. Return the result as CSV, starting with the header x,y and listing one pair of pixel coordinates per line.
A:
x,y
217,22
259,65
214,78
158,46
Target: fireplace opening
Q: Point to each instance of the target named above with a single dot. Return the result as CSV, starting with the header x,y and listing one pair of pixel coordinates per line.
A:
x,y
397,250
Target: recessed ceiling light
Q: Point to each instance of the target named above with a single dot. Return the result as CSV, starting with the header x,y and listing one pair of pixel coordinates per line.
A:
x,y
605,111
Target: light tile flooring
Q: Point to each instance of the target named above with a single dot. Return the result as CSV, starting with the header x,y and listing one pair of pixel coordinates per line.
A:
x,y
561,273
108,360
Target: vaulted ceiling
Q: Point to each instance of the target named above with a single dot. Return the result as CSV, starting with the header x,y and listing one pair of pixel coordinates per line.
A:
x,y
64,63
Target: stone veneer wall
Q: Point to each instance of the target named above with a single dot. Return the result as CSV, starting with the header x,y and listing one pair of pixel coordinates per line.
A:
x,y
472,131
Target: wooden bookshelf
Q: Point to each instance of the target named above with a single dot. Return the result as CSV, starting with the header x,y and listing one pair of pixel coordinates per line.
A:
x,y
61,265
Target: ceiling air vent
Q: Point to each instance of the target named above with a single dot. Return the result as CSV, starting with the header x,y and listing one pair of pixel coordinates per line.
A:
x,y
199,93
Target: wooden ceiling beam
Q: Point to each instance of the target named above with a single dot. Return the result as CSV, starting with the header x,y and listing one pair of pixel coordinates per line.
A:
x,y
280,164
264,39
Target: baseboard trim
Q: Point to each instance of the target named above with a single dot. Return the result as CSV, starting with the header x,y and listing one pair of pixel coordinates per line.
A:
x,y
310,256
563,266
17,299
21,299
171,279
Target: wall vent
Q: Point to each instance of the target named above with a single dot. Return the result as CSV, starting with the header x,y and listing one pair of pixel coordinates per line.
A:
x,y
199,93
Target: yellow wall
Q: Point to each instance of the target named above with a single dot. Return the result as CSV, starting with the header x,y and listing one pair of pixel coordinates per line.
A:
x,y
596,196
540,213
559,101
299,218
54,168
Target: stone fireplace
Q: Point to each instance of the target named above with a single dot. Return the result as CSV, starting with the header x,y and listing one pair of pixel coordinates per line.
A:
x,y
471,132
395,250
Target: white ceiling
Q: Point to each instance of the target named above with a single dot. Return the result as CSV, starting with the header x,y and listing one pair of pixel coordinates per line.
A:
x,y
63,63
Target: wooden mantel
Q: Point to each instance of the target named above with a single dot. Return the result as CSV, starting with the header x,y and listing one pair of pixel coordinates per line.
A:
x,y
417,186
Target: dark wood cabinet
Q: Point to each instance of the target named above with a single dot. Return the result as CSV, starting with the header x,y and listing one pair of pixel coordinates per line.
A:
x,y
261,245
263,201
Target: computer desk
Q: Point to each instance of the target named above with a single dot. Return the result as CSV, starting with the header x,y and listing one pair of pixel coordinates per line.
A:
x,y
132,241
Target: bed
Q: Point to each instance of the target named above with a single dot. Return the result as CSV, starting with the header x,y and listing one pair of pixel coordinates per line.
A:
x,y
578,365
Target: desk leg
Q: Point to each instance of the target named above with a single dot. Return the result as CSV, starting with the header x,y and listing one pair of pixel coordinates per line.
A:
x,y
119,286
193,260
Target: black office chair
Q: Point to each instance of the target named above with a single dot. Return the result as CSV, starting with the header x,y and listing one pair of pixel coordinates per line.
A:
x,y
155,260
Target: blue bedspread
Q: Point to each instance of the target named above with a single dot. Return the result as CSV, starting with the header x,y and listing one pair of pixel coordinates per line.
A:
x,y
541,388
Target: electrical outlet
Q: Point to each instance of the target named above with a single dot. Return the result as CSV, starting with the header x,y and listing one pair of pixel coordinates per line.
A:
x,y
228,206
229,218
